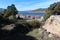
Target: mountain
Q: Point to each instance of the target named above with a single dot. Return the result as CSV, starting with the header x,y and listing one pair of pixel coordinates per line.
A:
x,y
40,10
1,9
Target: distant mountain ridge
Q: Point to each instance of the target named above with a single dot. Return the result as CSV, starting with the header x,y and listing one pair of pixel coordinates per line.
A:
x,y
40,10
1,9
36,10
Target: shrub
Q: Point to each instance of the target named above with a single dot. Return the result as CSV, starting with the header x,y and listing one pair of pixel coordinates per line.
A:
x,y
46,16
34,24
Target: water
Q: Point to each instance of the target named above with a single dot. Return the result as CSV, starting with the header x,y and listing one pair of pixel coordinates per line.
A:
x,y
32,13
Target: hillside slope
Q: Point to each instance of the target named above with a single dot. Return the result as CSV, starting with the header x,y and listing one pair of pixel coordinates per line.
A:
x,y
40,10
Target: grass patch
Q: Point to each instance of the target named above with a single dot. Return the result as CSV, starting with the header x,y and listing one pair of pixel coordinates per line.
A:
x,y
34,33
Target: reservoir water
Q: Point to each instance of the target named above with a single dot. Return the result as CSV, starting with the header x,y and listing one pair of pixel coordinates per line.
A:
x,y
32,13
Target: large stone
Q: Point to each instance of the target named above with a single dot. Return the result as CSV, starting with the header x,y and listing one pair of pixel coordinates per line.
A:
x,y
8,27
52,25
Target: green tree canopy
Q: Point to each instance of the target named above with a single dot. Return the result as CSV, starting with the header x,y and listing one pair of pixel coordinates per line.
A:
x,y
11,10
55,8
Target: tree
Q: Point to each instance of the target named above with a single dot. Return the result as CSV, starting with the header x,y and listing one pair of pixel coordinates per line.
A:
x,y
47,15
10,11
55,8
1,20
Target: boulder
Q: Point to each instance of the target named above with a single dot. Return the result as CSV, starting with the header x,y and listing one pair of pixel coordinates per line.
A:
x,y
52,25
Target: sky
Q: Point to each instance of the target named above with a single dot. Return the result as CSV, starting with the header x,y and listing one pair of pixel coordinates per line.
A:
x,y
24,5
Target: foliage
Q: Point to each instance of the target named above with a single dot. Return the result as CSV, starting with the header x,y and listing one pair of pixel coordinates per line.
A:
x,y
55,8
46,16
8,15
34,24
29,25
11,10
1,20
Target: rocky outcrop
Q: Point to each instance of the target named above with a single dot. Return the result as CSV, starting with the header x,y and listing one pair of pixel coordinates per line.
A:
x,y
9,27
52,25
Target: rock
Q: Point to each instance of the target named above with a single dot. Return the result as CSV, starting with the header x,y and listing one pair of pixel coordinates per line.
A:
x,y
8,27
52,25
50,35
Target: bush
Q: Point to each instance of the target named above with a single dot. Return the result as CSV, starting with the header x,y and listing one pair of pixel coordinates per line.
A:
x,y
46,16
27,26
12,19
55,7
34,24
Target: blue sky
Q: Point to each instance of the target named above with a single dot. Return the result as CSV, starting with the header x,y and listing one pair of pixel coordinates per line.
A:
x,y
23,5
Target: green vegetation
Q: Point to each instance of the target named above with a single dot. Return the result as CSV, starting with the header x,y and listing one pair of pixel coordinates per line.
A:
x,y
46,16
54,9
22,30
29,25
8,15
34,33
34,24
10,11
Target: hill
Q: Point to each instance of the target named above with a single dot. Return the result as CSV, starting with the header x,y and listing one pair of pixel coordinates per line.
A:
x,y
1,9
40,10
